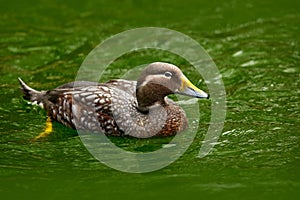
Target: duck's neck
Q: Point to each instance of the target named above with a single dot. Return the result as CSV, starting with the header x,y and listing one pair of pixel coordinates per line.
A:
x,y
149,96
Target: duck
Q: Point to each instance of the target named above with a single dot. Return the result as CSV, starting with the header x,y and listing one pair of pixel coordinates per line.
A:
x,y
119,107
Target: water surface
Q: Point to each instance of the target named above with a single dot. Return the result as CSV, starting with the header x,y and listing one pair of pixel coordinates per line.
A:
x,y
256,48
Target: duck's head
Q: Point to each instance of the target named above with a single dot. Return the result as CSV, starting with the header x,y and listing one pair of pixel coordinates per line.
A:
x,y
160,79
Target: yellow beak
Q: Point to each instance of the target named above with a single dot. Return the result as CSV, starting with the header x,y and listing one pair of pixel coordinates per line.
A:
x,y
187,88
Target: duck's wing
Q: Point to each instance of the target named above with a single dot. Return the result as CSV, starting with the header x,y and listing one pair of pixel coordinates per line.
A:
x,y
76,84
86,107
124,85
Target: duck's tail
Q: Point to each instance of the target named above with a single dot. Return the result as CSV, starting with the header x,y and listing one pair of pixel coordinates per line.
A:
x,y
32,95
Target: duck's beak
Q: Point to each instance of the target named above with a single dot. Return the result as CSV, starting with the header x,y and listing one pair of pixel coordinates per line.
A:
x,y
187,88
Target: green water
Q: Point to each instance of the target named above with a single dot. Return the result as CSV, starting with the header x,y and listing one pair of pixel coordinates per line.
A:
x,y
255,45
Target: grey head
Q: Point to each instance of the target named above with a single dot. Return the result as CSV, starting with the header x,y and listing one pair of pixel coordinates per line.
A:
x,y
160,79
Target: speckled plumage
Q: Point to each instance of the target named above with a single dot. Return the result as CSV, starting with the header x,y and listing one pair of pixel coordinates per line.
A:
x,y
113,108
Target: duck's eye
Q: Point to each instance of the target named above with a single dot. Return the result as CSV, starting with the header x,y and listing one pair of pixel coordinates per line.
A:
x,y
168,74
